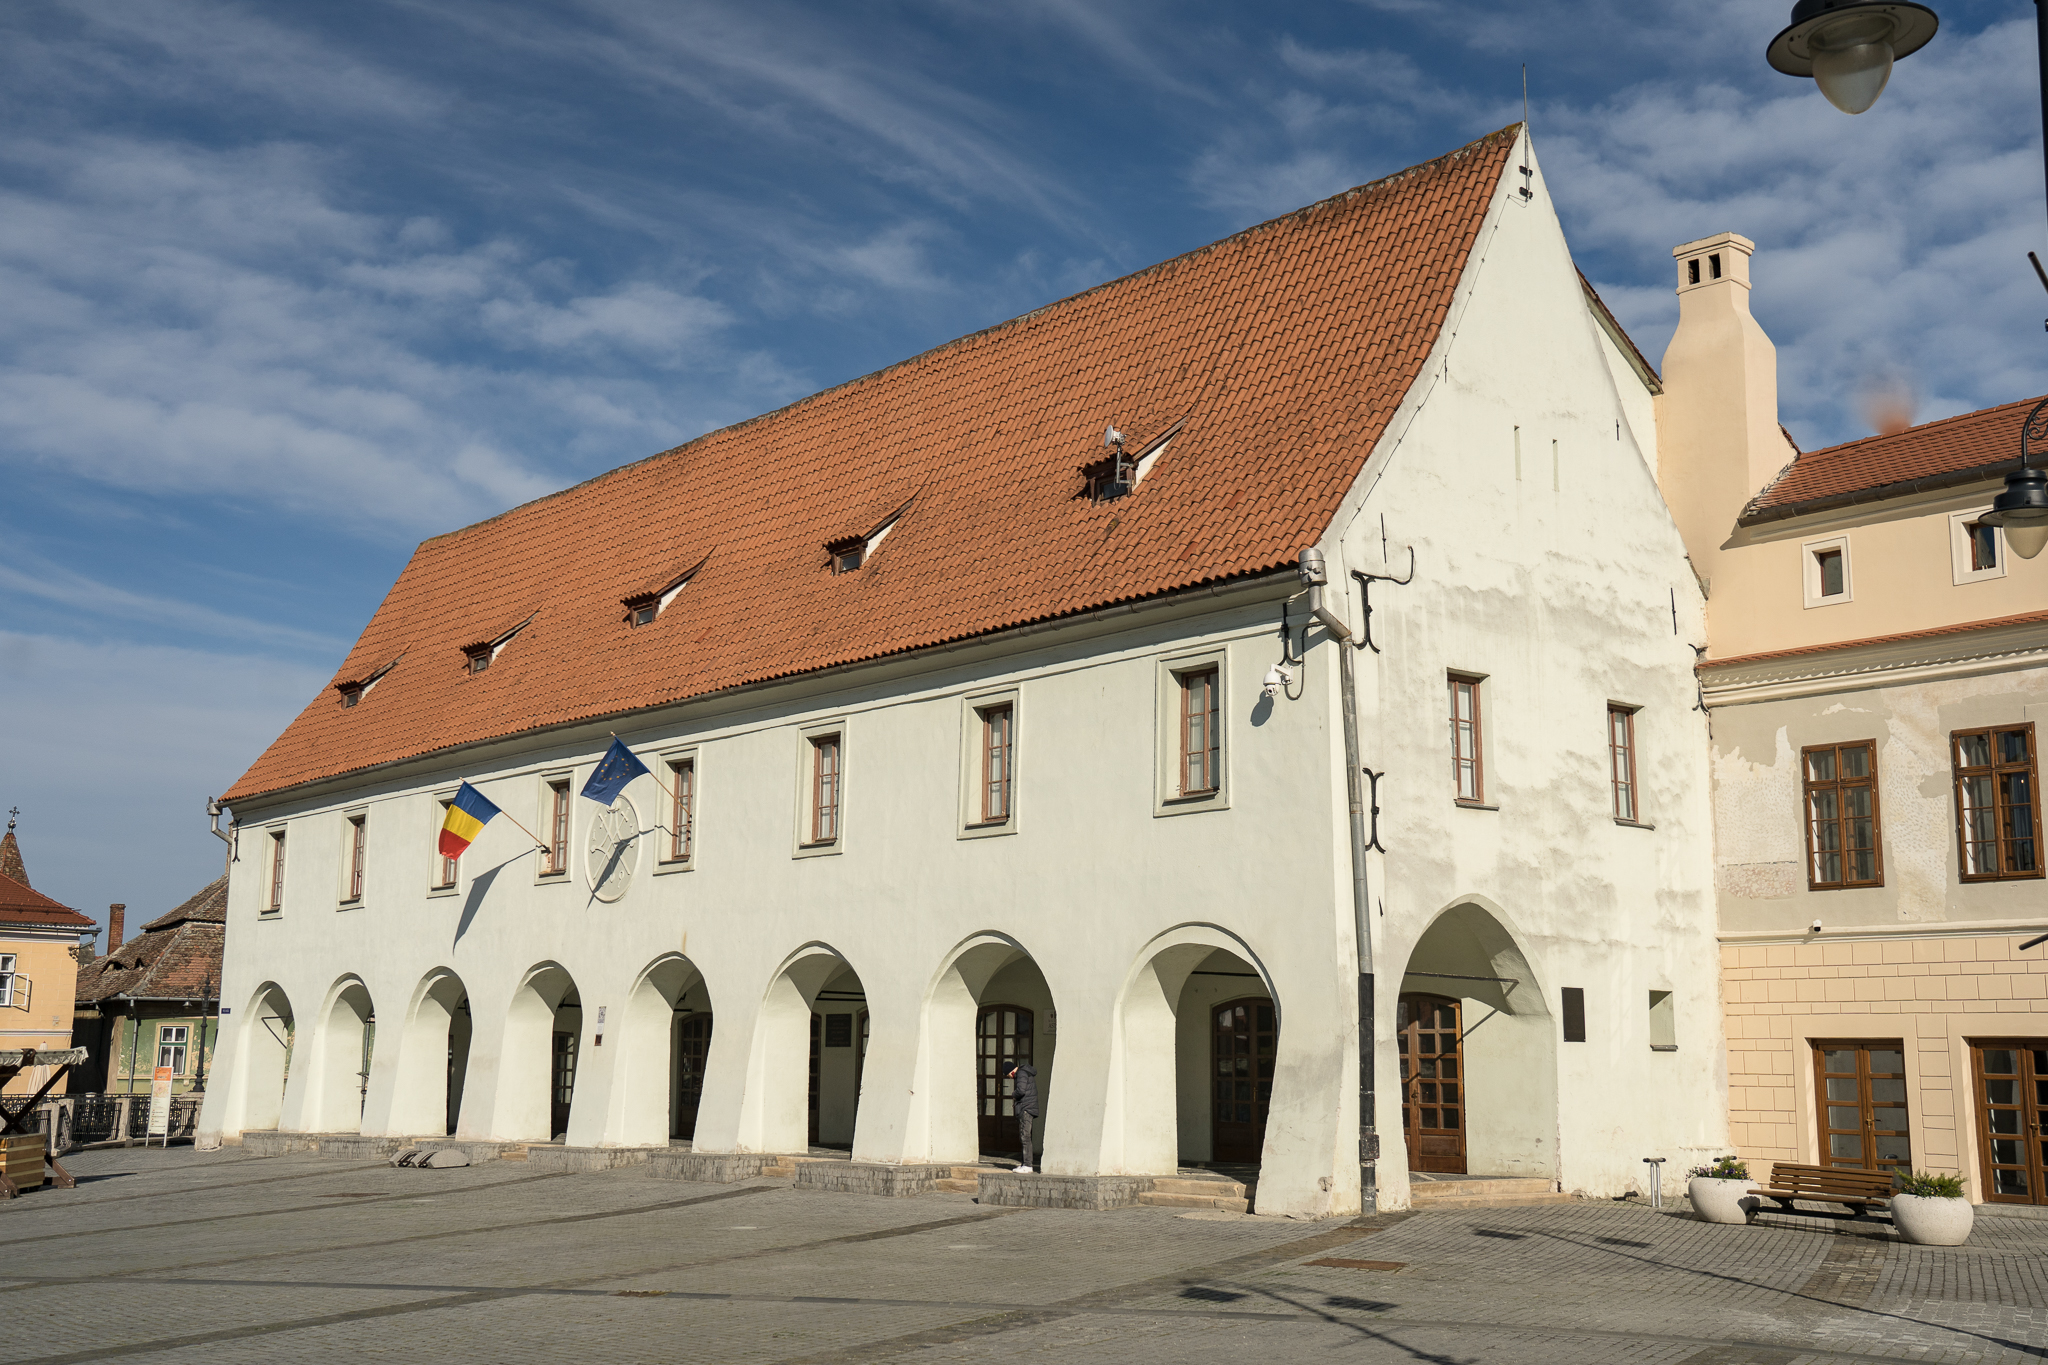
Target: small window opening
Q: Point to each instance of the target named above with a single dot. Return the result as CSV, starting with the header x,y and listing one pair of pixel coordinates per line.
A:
x,y
355,689
554,859
480,661
848,558
1829,563
644,616
1983,546
358,839
1663,1022
1714,265
1572,1010
351,693
483,653
825,789
1692,272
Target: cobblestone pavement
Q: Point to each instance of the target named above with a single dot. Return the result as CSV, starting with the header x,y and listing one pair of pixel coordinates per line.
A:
x,y
163,1257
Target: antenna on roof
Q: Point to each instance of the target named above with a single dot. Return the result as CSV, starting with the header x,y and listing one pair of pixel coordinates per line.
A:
x,y
1525,97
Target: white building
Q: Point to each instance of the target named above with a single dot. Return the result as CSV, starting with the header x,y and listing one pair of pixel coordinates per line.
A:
x,y
975,757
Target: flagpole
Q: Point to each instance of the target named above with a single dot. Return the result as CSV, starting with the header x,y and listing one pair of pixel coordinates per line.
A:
x,y
538,841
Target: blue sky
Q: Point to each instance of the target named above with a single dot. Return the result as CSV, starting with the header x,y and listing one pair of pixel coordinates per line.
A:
x,y
285,289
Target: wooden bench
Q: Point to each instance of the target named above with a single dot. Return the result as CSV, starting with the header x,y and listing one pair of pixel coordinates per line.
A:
x,y
1829,1185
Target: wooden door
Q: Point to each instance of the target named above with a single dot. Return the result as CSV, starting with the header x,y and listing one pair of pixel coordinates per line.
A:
x,y
817,1056
1247,1039
2012,1102
1862,1109
563,1087
1435,1109
1000,1032
693,1046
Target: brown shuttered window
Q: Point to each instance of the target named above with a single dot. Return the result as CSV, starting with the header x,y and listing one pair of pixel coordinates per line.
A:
x,y
825,789
1998,803
1201,746
1468,772
358,836
995,765
554,860
276,873
1842,847
1621,760
682,837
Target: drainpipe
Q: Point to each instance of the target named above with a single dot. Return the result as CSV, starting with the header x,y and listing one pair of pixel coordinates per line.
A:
x,y
1314,574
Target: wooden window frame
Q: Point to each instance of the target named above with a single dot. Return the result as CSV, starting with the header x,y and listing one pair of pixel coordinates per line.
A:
x,y
1621,763
978,818
827,788
2027,1101
447,871
274,892
998,752
554,858
682,809
1866,1103
2001,808
357,824
1810,786
1171,792
1476,727
1209,756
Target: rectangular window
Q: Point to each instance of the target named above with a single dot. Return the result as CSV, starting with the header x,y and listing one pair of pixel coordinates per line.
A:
x,y
825,789
1998,802
1829,564
1663,1022
1467,771
444,866
1983,546
6,980
1201,747
682,822
1621,759
554,860
1572,1002
358,837
276,902
995,764
1862,1105
170,1047
1841,816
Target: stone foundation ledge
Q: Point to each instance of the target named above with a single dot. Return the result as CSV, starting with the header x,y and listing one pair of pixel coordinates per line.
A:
x,y
547,1157
1006,1189
273,1143
862,1177
714,1168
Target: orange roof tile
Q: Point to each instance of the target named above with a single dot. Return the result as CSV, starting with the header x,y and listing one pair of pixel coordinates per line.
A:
x,y
22,906
1955,450
2025,618
1285,349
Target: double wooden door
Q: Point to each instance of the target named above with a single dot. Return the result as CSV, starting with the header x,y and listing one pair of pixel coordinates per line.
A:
x,y
1247,1040
1434,1110
693,1045
2011,1078
1000,1032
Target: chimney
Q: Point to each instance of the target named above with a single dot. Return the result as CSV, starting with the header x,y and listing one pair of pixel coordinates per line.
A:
x,y
1718,439
116,913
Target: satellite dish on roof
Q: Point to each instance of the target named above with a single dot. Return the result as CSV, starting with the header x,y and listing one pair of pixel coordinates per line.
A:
x,y
1112,437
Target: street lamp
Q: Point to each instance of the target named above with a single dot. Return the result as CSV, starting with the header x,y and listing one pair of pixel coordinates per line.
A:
x,y
1848,46
2022,509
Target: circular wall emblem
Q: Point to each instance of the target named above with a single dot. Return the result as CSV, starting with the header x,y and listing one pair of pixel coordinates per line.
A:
x,y
613,851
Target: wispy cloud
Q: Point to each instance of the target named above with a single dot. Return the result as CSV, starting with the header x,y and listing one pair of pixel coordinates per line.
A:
x,y
32,577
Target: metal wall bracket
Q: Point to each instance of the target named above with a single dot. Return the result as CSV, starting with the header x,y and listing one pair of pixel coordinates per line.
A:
x,y
1365,582
1374,801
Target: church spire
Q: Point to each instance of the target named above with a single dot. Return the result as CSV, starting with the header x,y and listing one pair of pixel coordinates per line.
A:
x,y
10,852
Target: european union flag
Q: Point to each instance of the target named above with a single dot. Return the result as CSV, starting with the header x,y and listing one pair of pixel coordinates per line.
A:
x,y
614,771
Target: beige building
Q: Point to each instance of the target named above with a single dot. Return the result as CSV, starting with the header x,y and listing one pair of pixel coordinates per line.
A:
x,y
39,947
1876,674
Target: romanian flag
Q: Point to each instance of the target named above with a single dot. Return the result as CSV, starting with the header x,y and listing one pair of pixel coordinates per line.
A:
x,y
468,813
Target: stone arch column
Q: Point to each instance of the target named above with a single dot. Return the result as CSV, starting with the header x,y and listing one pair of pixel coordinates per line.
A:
x,y
326,1090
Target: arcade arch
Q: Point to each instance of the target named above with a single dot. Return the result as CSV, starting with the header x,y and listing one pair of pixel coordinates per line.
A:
x,y
338,1070
264,1061
539,1058
664,1037
804,1069
989,1002
1476,1050
433,1058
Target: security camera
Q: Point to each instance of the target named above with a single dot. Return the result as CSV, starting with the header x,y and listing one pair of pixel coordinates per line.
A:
x,y
1278,679
1815,929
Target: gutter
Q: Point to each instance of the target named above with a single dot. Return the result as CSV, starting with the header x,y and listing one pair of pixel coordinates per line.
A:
x,y
1882,493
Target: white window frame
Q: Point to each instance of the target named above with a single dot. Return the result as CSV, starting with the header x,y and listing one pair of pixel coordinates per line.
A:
x,y
1809,571
437,815
664,767
8,976
805,774
542,876
348,897
1167,797
182,1043
1959,548
972,706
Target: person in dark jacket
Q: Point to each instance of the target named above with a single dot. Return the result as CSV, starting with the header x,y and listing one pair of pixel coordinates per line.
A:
x,y
1024,1099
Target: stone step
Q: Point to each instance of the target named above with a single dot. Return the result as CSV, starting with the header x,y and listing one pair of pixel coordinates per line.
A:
x,y
953,1185
1207,1187
1161,1199
1432,1189
1488,1201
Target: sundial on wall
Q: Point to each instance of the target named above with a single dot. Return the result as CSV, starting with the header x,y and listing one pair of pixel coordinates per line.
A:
x,y
613,850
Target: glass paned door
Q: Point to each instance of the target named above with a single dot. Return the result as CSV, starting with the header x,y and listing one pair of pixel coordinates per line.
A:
x,y
999,1031
564,1088
1247,1042
817,1059
1862,1105
2012,1100
693,1045
1433,1099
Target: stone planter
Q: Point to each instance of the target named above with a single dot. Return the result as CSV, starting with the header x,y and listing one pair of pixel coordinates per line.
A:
x,y
1932,1222
1722,1201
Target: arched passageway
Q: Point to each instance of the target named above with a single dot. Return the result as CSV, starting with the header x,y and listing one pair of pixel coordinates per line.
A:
x,y
989,1006
338,1079
805,1066
433,1058
540,1057
1200,1043
1477,1052
664,1038
265,1061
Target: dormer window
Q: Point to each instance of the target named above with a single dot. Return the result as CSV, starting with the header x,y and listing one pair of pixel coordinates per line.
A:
x,y
480,661
644,616
355,689
351,693
848,553
1119,474
483,653
647,605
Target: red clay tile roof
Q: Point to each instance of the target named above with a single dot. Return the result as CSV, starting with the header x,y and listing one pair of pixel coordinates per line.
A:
x,y
23,907
1286,348
175,957
1953,451
2025,618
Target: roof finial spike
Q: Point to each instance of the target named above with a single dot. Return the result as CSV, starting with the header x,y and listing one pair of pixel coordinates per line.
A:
x,y
12,812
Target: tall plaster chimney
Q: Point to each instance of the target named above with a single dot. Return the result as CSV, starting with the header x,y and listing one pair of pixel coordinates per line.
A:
x,y
117,913
1718,438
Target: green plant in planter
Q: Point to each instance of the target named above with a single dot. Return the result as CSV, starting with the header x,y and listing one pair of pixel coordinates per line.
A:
x,y
1925,1186
1724,1168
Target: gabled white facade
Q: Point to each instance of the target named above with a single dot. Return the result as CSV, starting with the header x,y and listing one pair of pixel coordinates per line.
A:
x,y
1119,916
